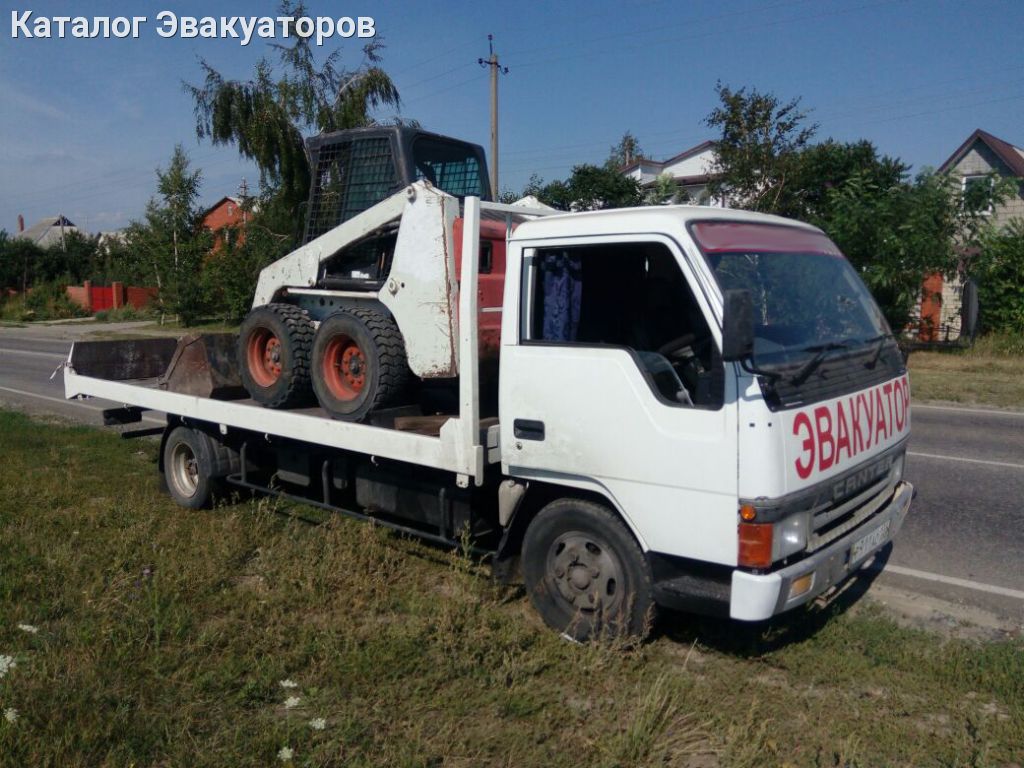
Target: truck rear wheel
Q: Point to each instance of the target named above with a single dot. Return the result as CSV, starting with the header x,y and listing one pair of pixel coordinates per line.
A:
x,y
273,355
194,465
585,572
359,364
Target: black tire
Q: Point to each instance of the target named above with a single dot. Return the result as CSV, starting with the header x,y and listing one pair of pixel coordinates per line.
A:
x,y
274,346
194,465
359,364
585,572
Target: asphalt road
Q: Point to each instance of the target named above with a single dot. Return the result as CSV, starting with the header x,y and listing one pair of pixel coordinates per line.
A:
x,y
963,540
967,466
28,358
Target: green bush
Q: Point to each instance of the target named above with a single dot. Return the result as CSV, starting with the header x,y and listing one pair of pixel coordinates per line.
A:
x,y
1000,276
45,301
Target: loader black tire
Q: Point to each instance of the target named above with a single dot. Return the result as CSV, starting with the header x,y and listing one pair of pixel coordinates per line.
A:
x,y
274,347
359,364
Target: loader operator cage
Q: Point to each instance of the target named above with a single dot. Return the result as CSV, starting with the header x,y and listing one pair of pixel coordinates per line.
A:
x,y
355,169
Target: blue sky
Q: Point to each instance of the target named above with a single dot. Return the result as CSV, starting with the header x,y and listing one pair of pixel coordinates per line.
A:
x,y
84,123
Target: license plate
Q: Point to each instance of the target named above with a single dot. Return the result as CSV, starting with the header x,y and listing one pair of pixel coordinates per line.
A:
x,y
869,543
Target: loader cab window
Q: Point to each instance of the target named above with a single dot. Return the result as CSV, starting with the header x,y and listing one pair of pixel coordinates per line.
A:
x,y
633,296
348,178
451,167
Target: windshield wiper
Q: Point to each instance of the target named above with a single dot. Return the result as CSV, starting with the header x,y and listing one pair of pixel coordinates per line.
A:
x,y
811,365
880,341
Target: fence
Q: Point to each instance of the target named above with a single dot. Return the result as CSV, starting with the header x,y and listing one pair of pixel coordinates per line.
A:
x,y
96,298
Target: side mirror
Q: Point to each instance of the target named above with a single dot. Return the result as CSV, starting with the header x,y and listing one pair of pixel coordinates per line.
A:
x,y
737,326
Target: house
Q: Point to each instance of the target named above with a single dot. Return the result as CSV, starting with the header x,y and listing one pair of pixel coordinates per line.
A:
x,y
983,154
691,170
973,162
228,215
46,232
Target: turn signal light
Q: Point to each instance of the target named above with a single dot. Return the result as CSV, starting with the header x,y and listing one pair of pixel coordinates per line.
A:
x,y
801,586
755,544
747,513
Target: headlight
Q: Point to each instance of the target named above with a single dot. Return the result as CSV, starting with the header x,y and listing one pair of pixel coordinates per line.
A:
x,y
897,468
790,536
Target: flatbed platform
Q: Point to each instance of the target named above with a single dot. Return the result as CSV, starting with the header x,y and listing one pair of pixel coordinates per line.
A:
x,y
312,425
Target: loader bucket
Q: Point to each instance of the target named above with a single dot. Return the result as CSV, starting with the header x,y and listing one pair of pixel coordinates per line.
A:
x,y
205,365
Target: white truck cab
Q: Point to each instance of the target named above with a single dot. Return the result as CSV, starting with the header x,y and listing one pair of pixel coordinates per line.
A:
x,y
752,480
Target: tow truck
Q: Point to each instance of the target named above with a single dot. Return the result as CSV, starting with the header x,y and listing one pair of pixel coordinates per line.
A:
x,y
673,406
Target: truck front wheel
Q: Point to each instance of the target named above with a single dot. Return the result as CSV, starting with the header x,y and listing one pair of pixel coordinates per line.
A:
x,y
585,572
359,363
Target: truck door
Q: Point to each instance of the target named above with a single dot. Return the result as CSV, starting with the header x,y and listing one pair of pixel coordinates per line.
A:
x,y
611,380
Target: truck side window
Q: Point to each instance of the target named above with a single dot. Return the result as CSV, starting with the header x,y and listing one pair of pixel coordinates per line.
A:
x,y
630,295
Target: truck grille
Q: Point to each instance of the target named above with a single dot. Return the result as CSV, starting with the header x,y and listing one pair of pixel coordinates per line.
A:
x,y
835,520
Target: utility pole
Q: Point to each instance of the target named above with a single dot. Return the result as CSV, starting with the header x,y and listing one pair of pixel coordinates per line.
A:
x,y
243,194
496,68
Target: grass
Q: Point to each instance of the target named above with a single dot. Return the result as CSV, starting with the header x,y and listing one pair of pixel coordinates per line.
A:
x,y
990,373
163,636
124,314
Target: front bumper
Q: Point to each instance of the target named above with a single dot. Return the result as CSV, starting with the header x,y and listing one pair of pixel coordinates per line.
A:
x,y
754,597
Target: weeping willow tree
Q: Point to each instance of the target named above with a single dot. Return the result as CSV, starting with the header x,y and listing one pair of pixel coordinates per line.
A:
x,y
268,115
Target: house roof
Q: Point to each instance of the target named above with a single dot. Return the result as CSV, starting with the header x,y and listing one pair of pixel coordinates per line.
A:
x,y
226,199
696,150
48,231
1004,150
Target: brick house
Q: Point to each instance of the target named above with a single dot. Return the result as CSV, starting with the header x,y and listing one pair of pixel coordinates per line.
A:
x,y
226,219
972,162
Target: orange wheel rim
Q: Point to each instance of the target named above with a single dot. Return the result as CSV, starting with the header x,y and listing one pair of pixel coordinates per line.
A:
x,y
344,368
264,354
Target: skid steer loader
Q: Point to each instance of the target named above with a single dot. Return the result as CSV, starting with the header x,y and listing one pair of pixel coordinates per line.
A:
x,y
367,304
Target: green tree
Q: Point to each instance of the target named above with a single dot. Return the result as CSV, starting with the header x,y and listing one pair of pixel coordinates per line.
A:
x,y
627,150
759,149
1000,276
70,261
893,229
665,191
820,168
900,233
172,241
231,272
20,264
267,115
588,188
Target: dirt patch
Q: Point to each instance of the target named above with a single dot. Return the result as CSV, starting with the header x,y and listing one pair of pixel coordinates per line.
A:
x,y
918,611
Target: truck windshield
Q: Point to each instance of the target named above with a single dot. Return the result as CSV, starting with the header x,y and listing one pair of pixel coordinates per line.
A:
x,y
448,165
807,298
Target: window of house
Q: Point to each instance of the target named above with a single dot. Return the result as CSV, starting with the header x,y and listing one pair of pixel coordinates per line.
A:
x,y
632,296
976,190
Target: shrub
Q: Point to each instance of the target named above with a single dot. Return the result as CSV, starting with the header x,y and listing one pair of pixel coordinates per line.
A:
x,y
1000,276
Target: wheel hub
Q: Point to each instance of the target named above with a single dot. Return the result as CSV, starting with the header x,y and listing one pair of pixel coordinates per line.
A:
x,y
184,470
344,368
264,355
585,574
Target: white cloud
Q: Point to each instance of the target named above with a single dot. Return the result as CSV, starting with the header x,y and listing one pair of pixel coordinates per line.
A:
x,y
16,100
